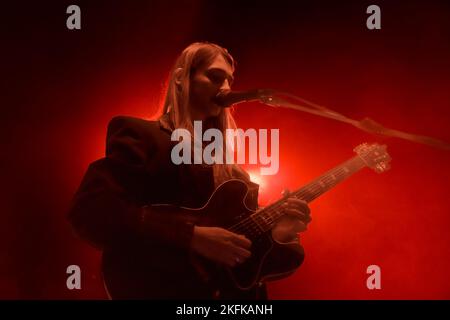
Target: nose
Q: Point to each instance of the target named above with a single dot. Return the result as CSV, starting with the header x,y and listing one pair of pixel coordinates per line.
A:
x,y
225,85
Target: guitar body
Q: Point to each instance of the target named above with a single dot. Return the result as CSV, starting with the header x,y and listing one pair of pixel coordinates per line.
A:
x,y
269,260
166,272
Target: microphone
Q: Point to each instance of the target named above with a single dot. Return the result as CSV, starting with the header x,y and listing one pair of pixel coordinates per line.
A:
x,y
227,98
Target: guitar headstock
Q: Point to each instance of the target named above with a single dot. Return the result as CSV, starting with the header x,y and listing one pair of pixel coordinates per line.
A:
x,y
374,156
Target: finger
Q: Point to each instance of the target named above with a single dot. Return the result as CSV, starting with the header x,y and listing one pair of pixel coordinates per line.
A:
x,y
299,204
241,241
299,227
298,214
293,204
230,261
233,261
242,253
296,225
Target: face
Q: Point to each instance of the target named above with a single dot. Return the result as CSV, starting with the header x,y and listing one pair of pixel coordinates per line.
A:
x,y
205,84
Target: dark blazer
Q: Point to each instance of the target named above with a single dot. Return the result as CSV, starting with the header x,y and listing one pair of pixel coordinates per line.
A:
x,y
109,210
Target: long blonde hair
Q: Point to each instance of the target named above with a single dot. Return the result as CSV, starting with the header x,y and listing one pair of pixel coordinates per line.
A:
x,y
176,103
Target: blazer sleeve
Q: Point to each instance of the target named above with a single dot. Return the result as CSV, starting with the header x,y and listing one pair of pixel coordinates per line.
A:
x,y
107,208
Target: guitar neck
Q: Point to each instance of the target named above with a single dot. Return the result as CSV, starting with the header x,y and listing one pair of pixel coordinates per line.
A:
x,y
267,217
329,179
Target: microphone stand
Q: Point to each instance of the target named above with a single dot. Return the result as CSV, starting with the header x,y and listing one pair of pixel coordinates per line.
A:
x,y
275,98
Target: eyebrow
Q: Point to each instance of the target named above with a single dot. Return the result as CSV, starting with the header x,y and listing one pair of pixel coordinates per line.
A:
x,y
229,76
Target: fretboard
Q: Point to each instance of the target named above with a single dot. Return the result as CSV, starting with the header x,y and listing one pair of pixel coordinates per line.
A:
x,y
264,219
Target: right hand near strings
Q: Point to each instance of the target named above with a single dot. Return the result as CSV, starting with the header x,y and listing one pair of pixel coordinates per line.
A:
x,y
220,245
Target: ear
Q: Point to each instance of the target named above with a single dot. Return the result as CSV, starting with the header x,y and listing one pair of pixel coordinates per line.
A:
x,y
177,75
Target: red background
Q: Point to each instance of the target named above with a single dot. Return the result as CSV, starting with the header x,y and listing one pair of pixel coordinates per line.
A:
x,y
62,87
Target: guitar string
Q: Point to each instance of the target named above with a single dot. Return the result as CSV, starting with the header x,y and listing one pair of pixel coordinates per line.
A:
x,y
274,213
309,192
275,210
313,189
303,193
355,164
252,226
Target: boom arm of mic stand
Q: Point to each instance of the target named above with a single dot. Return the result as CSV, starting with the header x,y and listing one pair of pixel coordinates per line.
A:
x,y
272,98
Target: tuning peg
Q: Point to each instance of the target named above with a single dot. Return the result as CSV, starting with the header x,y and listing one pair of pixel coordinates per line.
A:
x,y
382,166
285,193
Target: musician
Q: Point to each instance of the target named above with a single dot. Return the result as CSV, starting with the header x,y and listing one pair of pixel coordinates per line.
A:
x,y
112,207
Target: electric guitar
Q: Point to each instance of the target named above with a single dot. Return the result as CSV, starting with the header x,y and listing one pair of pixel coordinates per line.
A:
x,y
270,259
